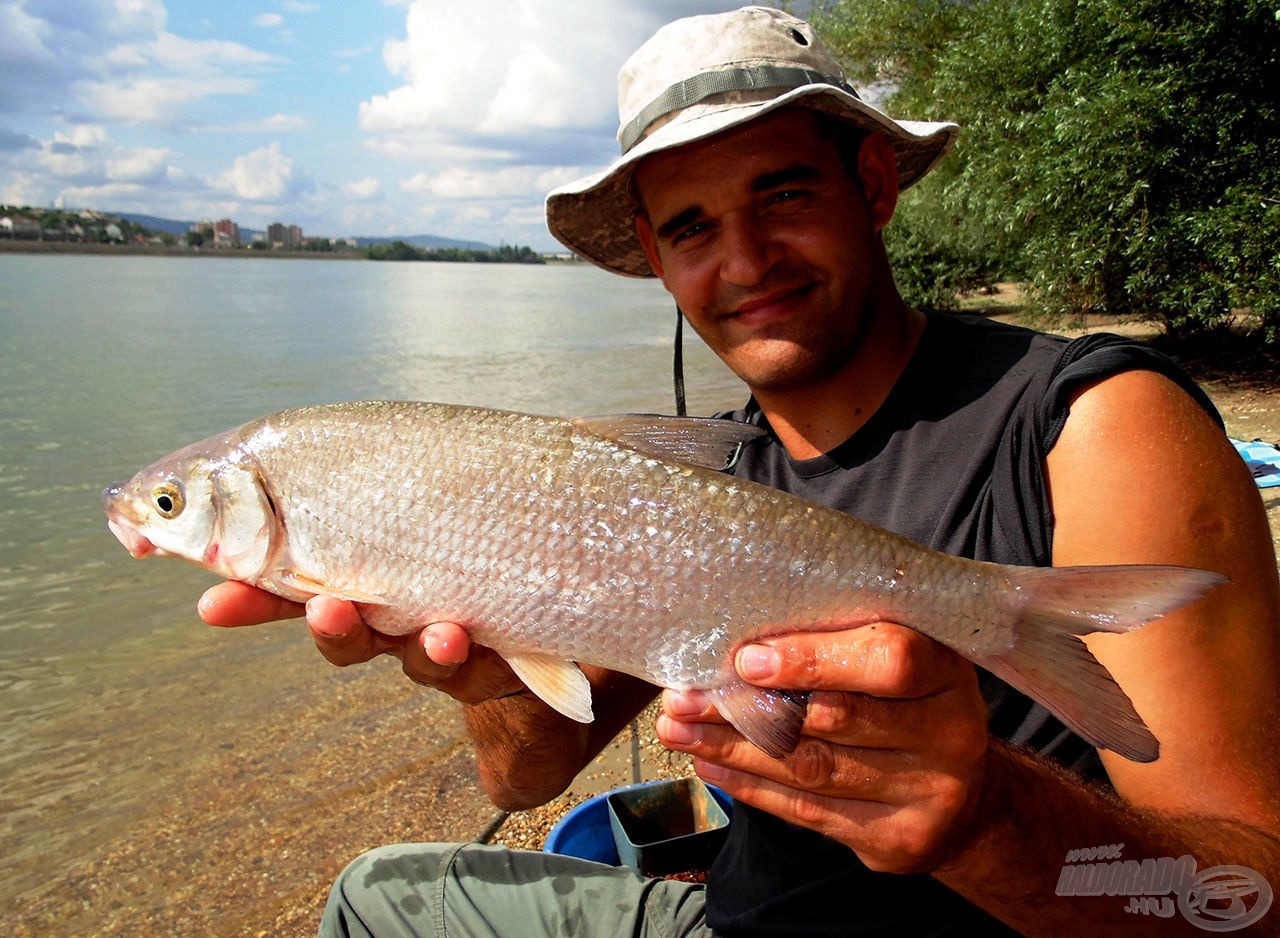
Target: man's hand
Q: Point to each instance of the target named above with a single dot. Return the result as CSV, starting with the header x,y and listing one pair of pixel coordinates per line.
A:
x,y
892,753
439,656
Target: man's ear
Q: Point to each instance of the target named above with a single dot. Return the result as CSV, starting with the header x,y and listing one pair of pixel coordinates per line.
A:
x,y
648,241
878,172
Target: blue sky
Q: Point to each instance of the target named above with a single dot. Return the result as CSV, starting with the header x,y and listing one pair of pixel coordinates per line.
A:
x,y
363,117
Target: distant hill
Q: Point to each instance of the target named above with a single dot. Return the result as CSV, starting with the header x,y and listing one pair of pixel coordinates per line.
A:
x,y
167,225
425,241
180,228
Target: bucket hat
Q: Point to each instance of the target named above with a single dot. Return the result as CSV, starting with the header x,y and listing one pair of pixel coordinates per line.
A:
x,y
700,76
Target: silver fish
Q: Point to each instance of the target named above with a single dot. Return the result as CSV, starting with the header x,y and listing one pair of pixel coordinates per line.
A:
x,y
615,542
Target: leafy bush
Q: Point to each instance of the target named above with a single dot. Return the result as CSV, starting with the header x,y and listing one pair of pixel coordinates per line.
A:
x,y
1121,155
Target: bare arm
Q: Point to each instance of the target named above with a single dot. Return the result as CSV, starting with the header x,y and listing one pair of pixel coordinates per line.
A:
x,y
528,753
1206,679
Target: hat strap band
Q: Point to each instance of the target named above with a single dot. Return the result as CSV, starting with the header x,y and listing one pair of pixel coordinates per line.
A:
x,y
706,84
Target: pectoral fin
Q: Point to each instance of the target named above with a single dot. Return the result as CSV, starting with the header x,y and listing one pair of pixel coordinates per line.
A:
x,y
558,683
304,587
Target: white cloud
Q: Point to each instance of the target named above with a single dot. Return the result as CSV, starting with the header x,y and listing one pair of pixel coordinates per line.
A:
x,y
497,70
116,60
83,136
139,15
145,164
495,107
363,190
480,110
469,184
265,175
84,165
274,123
152,100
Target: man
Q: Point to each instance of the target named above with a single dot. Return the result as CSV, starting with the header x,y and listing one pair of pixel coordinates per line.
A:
x,y
924,798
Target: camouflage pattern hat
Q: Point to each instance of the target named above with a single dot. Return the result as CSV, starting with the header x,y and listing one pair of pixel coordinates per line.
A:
x,y
702,75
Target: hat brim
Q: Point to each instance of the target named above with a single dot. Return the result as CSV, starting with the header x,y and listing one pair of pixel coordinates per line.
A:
x,y
595,216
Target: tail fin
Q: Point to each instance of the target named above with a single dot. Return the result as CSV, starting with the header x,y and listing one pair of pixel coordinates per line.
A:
x,y
1050,664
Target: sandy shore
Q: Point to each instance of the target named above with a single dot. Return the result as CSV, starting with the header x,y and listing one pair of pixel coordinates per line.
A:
x,y
251,835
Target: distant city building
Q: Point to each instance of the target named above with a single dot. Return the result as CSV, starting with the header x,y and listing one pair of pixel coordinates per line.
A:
x,y
226,233
288,237
18,226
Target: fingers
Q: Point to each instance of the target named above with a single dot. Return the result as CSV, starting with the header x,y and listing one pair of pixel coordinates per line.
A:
x,y
232,604
894,779
484,676
440,656
881,659
340,634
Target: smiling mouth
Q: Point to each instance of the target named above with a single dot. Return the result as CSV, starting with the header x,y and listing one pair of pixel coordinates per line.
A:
x,y
770,305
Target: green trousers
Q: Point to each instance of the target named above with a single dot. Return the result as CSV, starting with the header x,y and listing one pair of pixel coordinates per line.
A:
x,y
478,890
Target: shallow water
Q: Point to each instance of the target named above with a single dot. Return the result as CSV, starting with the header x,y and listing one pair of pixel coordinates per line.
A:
x,y
111,691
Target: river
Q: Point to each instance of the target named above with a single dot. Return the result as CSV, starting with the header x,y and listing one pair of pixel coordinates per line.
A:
x,y
111,691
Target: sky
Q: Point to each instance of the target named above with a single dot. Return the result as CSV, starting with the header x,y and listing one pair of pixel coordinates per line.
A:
x,y
351,118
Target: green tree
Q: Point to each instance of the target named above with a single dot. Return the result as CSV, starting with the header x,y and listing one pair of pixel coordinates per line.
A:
x,y
1120,155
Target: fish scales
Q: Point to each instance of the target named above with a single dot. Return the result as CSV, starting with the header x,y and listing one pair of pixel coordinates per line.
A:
x,y
555,550
555,541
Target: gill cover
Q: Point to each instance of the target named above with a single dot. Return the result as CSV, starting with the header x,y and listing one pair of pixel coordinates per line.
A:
x,y
243,523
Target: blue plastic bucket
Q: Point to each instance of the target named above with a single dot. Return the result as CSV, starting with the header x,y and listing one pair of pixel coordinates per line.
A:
x,y
585,831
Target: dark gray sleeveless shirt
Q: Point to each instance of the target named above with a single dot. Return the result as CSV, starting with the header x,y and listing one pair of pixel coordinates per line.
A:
x,y
953,459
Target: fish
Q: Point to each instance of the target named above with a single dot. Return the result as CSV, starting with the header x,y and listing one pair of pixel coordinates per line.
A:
x,y
620,542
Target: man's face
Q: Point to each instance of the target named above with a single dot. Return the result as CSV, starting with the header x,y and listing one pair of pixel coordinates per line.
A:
x,y
767,244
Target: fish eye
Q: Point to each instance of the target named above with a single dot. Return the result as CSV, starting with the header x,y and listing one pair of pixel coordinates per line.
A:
x,y
168,499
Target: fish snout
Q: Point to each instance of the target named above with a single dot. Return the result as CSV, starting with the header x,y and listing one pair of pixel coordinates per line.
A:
x,y
136,543
110,494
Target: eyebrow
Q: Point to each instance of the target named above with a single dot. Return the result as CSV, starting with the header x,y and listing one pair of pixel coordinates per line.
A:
x,y
762,183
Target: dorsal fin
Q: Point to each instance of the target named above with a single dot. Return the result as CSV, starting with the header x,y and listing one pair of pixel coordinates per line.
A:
x,y
700,441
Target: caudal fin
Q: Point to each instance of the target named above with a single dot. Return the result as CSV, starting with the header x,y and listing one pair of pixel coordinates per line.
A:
x,y
1049,663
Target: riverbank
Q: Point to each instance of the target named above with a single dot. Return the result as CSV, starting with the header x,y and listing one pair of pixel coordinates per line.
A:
x,y
166,778
238,850
205,861
133,249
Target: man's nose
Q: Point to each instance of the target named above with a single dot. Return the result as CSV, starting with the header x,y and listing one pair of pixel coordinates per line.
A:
x,y
749,249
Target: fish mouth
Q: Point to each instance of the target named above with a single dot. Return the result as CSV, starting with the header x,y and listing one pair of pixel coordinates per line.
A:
x,y
134,542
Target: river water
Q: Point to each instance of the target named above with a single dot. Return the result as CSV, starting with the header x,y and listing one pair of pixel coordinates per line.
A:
x,y
109,685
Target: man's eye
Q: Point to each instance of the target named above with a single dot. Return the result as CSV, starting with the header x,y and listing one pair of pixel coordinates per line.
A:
x,y
784,196
686,233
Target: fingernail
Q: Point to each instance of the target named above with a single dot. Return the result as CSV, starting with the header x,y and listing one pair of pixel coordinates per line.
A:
x,y
757,662
710,771
330,626
681,704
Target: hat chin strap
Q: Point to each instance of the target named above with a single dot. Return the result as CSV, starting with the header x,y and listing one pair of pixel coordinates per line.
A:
x,y
705,85
677,365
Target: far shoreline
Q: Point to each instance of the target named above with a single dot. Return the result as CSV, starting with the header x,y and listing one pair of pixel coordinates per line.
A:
x,y
18,246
